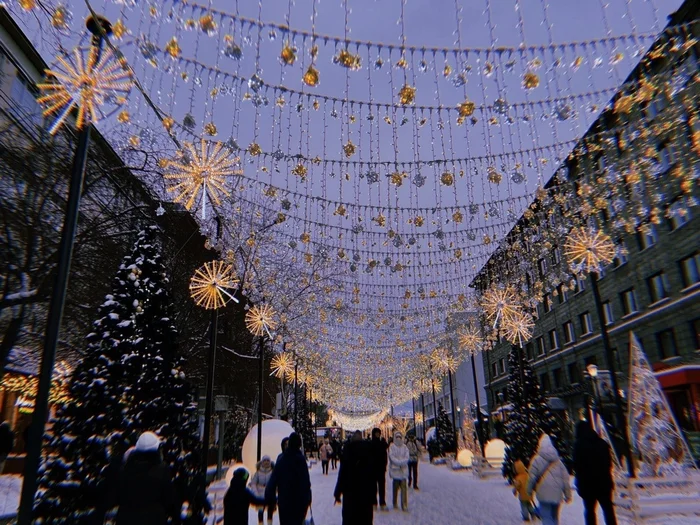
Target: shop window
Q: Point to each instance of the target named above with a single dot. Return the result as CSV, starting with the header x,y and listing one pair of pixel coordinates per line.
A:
x,y
690,269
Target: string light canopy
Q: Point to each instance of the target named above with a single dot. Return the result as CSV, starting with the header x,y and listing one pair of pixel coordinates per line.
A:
x,y
213,285
379,175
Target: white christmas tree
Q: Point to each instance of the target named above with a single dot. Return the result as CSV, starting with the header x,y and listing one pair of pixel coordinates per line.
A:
x,y
657,442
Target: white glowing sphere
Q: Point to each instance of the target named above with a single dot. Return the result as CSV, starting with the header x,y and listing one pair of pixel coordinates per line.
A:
x,y
495,451
273,431
229,473
465,457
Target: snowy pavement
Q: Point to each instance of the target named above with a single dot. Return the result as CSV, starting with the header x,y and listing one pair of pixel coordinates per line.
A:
x,y
10,488
445,497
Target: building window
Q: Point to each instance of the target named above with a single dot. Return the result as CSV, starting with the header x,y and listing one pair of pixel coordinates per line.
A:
x,y
558,378
622,252
24,106
553,339
569,333
695,329
586,323
678,215
629,302
494,370
658,287
574,374
562,294
591,360
556,256
502,365
544,381
608,313
580,285
690,269
542,267
647,236
530,351
547,302
666,342
540,346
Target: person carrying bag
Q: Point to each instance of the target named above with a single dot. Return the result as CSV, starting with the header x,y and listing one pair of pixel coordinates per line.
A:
x,y
549,479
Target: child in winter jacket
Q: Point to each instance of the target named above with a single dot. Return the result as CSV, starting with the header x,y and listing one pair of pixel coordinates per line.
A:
x,y
258,483
527,509
238,499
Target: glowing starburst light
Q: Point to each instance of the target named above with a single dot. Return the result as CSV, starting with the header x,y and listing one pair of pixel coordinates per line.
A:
x,y
518,328
470,339
282,365
204,169
589,250
442,361
500,304
260,319
212,285
83,82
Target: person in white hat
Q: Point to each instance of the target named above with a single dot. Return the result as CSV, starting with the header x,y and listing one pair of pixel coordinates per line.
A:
x,y
146,494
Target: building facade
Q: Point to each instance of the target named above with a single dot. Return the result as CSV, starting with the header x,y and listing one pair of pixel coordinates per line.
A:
x,y
652,288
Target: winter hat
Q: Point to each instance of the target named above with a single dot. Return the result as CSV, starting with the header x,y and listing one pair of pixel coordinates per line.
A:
x,y
398,435
148,442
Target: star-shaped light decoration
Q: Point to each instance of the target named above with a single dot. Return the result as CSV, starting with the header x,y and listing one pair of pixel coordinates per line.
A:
x,y
470,340
203,170
442,361
518,328
282,365
500,303
85,82
588,250
260,320
213,285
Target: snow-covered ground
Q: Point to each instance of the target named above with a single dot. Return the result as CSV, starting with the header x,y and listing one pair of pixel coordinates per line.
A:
x,y
10,488
445,497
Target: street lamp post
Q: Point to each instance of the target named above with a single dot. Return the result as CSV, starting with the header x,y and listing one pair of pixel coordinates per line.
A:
x,y
98,26
261,379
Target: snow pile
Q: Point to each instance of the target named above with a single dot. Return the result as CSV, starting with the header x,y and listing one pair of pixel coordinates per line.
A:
x,y
10,488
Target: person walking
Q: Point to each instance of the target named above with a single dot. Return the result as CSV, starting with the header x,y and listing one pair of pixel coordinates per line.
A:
x,y
325,453
259,481
146,495
238,499
413,459
355,485
593,473
398,470
7,443
335,445
549,479
379,460
527,509
291,484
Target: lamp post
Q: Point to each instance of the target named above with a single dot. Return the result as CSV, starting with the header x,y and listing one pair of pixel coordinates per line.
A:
x,y
452,405
209,396
98,26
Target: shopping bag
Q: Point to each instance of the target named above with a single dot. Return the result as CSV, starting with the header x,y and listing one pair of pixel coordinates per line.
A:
x,y
310,521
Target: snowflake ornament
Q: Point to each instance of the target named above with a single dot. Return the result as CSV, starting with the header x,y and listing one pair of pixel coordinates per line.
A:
x,y
589,250
210,285
260,319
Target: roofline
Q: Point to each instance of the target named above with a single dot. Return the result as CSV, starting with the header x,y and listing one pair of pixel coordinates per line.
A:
x,y
8,24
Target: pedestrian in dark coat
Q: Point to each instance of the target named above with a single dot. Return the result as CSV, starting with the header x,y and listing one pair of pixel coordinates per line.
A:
x,y
238,499
7,442
379,460
146,495
355,483
593,472
291,484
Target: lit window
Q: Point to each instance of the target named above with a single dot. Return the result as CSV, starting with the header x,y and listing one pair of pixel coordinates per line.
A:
x,y
678,215
569,333
647,237
658,287
608,313
666,343
553,339
690,269
586,323
629,302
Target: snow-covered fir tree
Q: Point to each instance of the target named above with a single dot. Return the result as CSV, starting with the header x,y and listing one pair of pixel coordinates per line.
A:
x,y
445,431
530,416
128,381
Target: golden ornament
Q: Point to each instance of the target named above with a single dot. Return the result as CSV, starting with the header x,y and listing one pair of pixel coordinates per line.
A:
x,y
348,60
305,238
173,48
380,220
260,320
288,54
213,284
402,63
407,95
59,18
207,24
210,129
340,210
85,84
457,217
466,108
134,141
447,70
310,78
300,171
168,123
493,175
396,178
447,178
254,149
27,5
123,117
349,149
530,80
419,221
119,29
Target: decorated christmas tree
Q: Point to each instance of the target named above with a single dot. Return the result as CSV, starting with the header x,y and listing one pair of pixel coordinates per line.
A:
x,y
445,431
658,445
529,418
128,381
